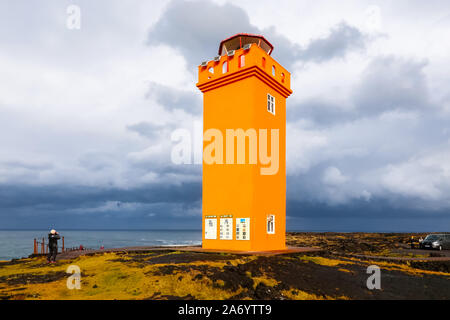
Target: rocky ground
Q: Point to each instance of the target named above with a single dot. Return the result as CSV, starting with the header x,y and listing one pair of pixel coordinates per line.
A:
x,y
339,271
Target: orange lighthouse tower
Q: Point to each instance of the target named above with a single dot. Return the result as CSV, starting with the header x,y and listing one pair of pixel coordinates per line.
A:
x,y
244,148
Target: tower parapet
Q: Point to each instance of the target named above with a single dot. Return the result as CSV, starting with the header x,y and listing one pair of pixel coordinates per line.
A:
x,y
251,58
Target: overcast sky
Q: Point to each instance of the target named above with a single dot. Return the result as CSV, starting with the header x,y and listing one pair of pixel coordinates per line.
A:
x,y
86,114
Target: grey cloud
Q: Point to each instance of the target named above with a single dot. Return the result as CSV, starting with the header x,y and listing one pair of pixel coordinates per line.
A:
x,y
172,98
387,84
396,131
27,165
62,206
182,26
149,130
322,113
341,39
392,83
285,51
196,27
63,197
97,160
157,157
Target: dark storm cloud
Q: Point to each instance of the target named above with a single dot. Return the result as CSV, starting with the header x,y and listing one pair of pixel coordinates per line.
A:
x,y
359,216
66,204
156,206
63,196
380,208
182,26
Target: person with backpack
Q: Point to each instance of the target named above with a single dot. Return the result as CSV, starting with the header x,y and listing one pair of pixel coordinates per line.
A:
x,y
53,238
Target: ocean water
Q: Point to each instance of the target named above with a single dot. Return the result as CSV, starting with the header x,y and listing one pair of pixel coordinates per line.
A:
x,y
19,243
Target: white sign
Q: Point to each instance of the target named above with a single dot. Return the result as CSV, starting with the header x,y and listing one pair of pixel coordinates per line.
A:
x,y
226,228
211,229
242,228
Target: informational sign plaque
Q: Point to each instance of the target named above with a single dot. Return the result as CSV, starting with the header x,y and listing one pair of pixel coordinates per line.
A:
x,y
226,228
242,228
211,229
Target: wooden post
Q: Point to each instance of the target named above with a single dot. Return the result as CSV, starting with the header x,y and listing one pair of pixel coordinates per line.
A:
x,y
35,250
62,245
43,246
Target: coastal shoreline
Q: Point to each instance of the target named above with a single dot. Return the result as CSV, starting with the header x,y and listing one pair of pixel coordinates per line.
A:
x,y
334,267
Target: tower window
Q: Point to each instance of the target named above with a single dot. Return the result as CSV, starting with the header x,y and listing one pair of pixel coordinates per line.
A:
x,y
271,104
271,224
282,77
242,61
273,71
225,67
263,62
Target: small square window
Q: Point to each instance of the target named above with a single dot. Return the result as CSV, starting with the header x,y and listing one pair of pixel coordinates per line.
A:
x,y
271,104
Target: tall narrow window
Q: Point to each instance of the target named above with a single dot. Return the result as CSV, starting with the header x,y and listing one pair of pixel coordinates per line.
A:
x,y
282,77
273,71
225,67
271,104
263,62
271,224
242,61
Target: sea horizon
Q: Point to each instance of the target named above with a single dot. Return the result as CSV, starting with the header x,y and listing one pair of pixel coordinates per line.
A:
x,y
18,243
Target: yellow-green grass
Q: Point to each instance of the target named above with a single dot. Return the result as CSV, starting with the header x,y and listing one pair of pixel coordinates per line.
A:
x,y
104,278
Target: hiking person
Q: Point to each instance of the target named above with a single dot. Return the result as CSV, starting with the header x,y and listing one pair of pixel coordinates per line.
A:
x,y
53,238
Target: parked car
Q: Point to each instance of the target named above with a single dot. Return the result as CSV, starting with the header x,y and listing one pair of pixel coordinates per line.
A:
x,y
436,241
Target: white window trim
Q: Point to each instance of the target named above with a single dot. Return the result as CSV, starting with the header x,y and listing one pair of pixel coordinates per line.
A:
x,y
271,101
267,224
